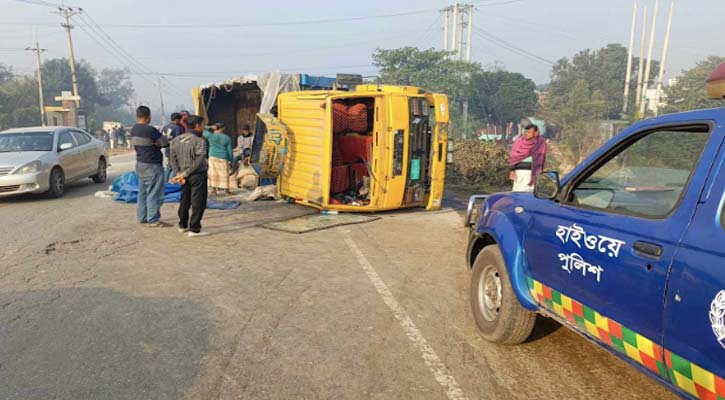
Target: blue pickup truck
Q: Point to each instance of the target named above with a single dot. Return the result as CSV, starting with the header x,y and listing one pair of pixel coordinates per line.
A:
x,y
628,249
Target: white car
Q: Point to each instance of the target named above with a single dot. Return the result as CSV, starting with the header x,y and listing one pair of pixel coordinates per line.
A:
x,y
43,159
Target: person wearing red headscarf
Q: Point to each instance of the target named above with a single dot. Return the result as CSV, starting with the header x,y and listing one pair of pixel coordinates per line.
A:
x,y
527,159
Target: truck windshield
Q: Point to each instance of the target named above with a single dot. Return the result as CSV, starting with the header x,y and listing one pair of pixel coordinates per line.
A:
x,y
26,141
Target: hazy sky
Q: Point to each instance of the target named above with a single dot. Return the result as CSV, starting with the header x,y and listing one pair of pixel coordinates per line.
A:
x,y
198,52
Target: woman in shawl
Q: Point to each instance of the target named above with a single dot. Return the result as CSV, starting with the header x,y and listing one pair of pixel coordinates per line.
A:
x,y
527,159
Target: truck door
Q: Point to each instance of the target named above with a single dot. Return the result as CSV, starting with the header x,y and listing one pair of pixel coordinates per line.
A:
x,y
601,256
695,302
438,150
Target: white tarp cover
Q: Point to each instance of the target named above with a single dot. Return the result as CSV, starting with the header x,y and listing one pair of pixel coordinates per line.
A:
x,y
272,84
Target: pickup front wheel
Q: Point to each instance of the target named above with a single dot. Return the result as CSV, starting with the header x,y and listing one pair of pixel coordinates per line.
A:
x,y
497,311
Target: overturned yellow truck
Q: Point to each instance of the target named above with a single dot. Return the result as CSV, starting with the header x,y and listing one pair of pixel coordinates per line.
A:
x,y
369,148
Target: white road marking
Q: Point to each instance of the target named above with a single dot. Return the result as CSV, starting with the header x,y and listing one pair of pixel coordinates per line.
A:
x,y
439,370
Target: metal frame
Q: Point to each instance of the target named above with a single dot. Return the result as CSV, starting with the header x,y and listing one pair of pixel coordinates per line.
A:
x,y
471,203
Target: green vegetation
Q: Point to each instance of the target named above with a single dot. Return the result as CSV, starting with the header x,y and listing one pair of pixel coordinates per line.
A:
x,y
106,96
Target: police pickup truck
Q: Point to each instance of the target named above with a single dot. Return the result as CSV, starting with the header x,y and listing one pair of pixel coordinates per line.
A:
x,y
628,249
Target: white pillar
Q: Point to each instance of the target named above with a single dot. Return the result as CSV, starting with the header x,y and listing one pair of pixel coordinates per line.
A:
x,y
628,78
664,57
645,84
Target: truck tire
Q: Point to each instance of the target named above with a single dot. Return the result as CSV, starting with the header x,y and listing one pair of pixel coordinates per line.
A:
x,y
496,310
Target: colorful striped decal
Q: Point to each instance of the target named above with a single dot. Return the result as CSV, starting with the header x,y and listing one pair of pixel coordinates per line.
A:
x,y
689,377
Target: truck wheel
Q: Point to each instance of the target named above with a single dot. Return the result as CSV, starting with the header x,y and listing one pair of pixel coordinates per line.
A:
x,y
498,314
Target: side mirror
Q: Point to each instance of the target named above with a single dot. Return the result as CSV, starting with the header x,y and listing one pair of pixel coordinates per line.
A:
x,y
65,146
547,185
474,204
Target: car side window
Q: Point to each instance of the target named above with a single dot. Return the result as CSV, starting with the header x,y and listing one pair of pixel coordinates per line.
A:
x,y
65,137
81,138
648,177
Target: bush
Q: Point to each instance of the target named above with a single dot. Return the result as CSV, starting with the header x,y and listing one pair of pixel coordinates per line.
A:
x,y
481,163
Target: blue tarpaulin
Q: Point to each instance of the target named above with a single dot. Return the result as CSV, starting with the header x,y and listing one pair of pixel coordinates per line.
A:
x,y
126,189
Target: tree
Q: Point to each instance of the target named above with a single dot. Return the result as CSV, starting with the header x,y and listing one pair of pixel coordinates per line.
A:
x,y
428,69
689,93
603,70
19,102
105,98
501,97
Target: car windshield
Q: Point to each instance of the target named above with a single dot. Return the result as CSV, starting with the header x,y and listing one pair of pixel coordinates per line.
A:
x,y
26,141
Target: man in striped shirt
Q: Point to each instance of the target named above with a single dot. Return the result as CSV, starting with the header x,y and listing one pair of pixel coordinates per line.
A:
x,y
188,159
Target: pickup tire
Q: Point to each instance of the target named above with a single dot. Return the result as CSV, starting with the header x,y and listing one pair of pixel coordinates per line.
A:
x,y
496,310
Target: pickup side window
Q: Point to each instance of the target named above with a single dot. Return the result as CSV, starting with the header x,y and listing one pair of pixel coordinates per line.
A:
x,y
647,177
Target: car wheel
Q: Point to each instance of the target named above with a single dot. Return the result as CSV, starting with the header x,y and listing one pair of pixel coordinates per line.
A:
x,y
57,183
101,175
497,311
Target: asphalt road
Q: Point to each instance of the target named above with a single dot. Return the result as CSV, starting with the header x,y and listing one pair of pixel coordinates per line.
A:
x,y
93,306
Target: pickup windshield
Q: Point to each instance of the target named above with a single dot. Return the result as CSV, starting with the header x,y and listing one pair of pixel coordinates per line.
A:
x,y
26,141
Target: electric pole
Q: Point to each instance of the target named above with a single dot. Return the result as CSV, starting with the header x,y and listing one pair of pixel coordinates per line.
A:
x,y
648,68
628,79
664,57
161,100
67,13
37,50
446,16
470,32
455,28
640,71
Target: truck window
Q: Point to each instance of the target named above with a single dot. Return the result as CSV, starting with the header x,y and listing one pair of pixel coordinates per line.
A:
x,y
648,177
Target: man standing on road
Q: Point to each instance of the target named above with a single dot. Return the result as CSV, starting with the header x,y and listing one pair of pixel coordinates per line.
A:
x,y
148,142
188,158
183,122
171,131
527,159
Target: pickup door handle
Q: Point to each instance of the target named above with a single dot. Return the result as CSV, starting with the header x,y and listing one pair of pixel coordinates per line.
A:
x,y
648,249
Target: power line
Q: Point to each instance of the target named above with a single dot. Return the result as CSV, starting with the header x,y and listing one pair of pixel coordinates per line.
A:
x,y
511,47
119,52
268,24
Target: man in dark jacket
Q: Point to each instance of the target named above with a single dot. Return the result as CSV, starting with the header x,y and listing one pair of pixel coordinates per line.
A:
x,y
172,130
188,159
148,142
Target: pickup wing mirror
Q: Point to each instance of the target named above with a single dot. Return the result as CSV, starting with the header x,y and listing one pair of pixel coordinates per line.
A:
x,y
547,185
474,205
65,146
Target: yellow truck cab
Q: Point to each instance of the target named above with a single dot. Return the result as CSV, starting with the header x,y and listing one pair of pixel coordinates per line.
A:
x,y
374,148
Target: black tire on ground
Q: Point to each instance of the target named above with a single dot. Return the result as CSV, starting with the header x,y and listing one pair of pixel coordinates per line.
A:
x,y
497,311
57,183
101,175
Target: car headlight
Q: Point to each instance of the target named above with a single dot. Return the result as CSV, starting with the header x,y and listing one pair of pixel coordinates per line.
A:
x,y
29,168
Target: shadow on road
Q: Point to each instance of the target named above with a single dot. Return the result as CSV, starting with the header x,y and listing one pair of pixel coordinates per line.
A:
x,y
544,327
99,344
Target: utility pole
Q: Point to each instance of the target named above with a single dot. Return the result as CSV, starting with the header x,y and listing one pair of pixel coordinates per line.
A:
x,y
455,28
461,23
37,50
446,16
640,71
161,100
67,13
664,57
470,33
628,79
645,84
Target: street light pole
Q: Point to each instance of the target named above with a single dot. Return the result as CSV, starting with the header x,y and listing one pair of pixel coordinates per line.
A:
x,y
37,50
